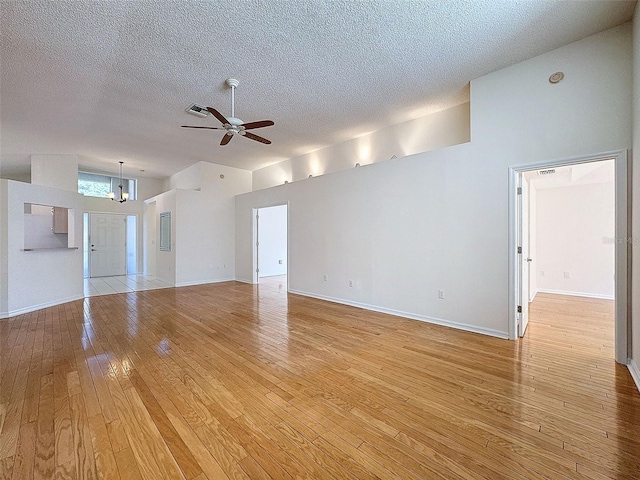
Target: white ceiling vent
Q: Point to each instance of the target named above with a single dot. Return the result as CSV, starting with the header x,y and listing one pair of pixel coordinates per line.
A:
x,y
549,171
198,110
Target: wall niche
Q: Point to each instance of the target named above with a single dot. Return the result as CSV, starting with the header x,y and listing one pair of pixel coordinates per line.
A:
x,y
48,227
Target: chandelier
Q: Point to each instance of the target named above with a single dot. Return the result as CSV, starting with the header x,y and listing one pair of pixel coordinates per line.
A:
x,y
123,195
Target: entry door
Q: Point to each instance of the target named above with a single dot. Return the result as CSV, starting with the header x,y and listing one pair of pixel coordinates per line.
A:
x,y
523,254
107,244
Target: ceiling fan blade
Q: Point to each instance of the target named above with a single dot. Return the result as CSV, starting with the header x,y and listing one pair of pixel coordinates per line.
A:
x,y
217,114
256,138
226,139
208,128
260,124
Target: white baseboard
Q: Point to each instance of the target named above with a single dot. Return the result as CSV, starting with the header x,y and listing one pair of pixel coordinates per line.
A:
x,y
577,294
412,316
33,308
203,282
244,280
635,373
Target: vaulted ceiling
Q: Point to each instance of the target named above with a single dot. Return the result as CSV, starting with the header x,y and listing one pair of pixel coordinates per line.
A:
x,y
110,80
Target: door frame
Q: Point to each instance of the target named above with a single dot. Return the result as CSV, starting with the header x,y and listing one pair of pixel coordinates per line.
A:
x,y
255,279
522,240
622,244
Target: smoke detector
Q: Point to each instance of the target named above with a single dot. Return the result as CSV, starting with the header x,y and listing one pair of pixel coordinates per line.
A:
x,y
549,171
196,109
556,77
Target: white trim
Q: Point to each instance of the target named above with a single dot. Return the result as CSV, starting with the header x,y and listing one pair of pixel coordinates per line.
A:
x,y
412,316
635,373
33,308
244,280
577,294
622,247
201,282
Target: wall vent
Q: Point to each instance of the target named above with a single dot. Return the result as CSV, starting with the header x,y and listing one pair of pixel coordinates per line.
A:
x,y
196,109
549,171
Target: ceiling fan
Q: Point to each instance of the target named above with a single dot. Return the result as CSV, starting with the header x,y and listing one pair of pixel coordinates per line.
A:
x,y
233,125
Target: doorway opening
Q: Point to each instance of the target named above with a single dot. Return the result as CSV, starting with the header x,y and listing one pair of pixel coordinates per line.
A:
x,y
110,244
271,243
568,224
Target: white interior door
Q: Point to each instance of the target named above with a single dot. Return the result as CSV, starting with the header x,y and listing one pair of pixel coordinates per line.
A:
x,y
523,254
107,244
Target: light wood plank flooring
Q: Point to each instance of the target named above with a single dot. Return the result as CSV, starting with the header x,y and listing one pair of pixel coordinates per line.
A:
x,y
246,382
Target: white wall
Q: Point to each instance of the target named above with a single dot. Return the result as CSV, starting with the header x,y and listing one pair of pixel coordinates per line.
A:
x,y
576,230
635,281
437,130
403,229
165,266
4,240
188,179
272,236
203,224
149,238
533,241
57,171
40,278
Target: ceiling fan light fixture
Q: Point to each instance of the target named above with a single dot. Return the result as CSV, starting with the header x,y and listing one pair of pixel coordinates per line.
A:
x,y
232,124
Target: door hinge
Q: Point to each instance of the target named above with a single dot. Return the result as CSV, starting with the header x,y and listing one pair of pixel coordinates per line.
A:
x,y
520,250
519,190
257,270
519,308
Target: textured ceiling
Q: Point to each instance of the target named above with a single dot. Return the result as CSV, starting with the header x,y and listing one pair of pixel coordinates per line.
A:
x,y
110,80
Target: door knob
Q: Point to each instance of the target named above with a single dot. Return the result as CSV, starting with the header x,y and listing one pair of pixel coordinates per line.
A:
x,y
529,259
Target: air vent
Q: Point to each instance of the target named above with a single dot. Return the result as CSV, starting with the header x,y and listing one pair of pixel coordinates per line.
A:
x,y
550,171
196,109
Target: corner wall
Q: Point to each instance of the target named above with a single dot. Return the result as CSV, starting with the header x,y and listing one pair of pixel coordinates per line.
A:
x,y
403,229
202,224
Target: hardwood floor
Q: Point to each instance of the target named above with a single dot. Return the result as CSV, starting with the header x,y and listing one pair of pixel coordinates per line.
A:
x,y
236,381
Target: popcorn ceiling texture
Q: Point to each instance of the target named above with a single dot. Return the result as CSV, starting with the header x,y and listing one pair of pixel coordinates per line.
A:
x,y
110,80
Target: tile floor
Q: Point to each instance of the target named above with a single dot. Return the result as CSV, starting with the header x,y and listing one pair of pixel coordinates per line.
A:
x,y
121,284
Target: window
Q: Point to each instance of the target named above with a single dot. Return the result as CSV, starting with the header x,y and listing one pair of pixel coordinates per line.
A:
x,y
96,185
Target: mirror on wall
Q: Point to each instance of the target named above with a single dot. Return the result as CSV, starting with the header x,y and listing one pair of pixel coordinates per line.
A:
x,y
47,227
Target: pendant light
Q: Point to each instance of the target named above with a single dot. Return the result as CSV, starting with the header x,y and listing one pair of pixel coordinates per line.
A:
x,y
123,195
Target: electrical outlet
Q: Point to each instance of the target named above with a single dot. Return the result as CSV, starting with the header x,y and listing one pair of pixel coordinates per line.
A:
x,y
280,262
351,283
326,277
542,273
441,294
566,275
